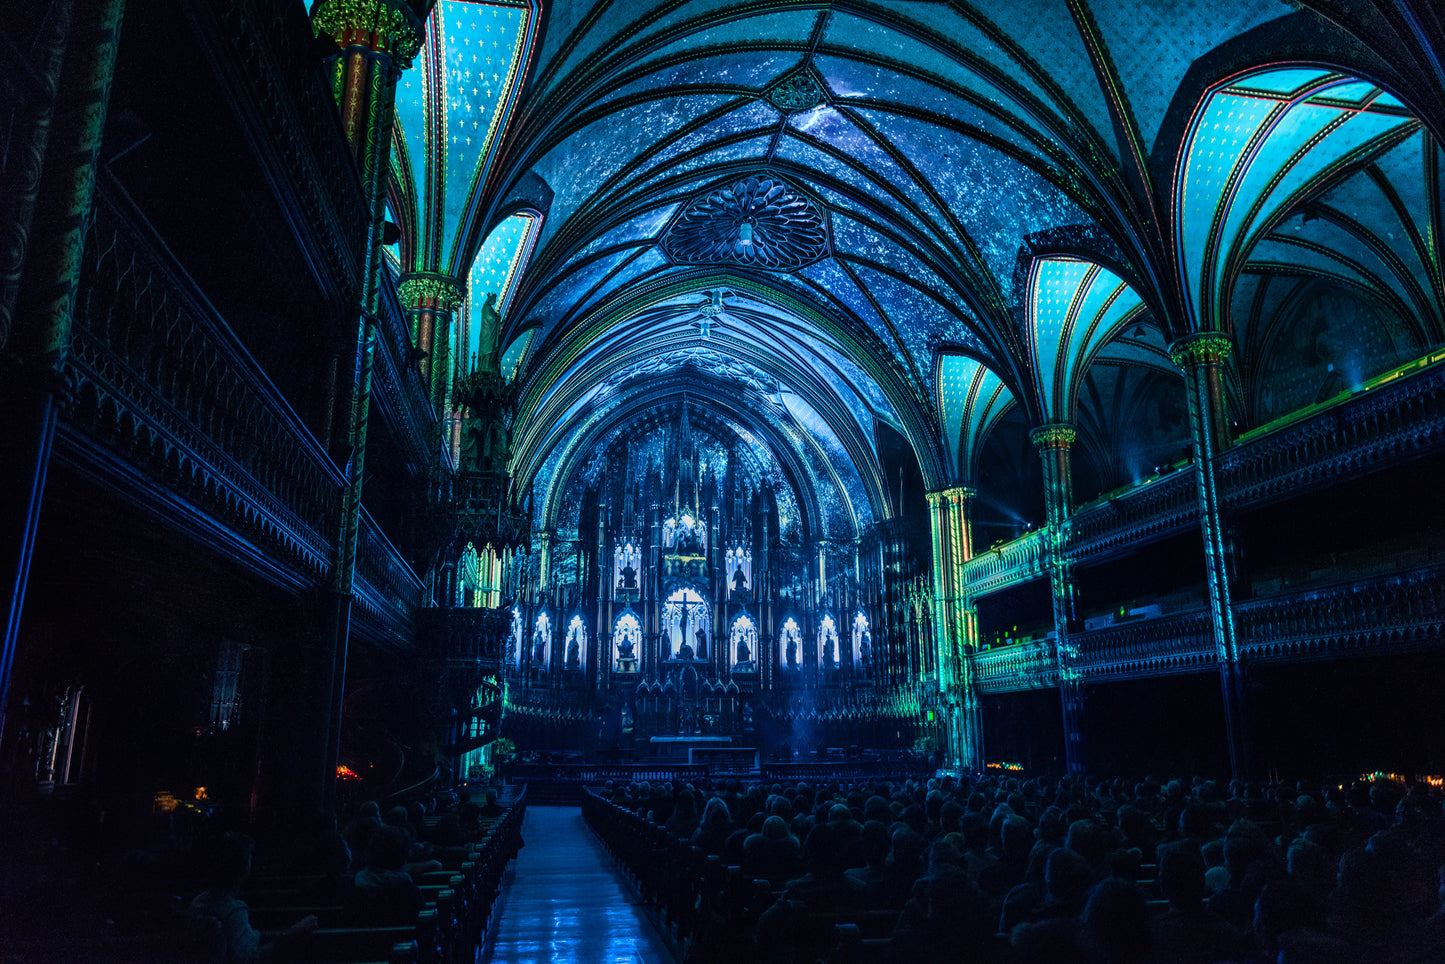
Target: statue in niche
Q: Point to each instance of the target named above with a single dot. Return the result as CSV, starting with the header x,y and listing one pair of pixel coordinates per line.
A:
x,y
628,579
539,648
701,635
865,651
624,650
740,581
830,657
573,658
489,328
792,652
745,655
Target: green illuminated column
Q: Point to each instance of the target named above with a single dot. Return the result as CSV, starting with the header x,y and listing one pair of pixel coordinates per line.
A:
x,y
1053,442
431,301
954,635
377,40
48,183
1202,357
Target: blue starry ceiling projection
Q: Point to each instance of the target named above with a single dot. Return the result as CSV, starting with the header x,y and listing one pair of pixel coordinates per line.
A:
x,y
1074,307
971,399
451,109
495,272
843,203
1256,147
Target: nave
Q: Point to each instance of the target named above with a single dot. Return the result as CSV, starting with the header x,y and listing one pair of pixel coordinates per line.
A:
x,y
562,901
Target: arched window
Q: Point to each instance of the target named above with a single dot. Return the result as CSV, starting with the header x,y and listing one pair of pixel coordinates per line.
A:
x,y
575,656
790,644
827,643
539,649
685,616
743,644
626,643
862,642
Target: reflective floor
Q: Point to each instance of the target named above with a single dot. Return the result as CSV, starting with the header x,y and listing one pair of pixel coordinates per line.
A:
x,y
561,900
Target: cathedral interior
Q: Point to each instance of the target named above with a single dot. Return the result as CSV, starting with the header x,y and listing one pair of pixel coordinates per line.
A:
x,y
400,392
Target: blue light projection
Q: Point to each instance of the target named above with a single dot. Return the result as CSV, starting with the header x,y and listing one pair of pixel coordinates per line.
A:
x,y
1073,308
450,110
516,352
495,271
1255,147
971,398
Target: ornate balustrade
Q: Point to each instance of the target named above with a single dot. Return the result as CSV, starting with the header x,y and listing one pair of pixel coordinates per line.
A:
x,y
1021,666
468,634
1394,612
1177,643
397,387
1391,422
1015,562
270,75
1156,508
387,591
170,409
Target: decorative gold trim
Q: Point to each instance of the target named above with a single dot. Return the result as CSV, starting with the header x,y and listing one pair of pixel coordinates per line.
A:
x,y
1053,435
1201,348
386,26
430,291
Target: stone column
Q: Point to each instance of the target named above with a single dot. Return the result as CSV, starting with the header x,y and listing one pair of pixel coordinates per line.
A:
x,y
377,39
950,516
1202,357
1054,441
51,170
431,301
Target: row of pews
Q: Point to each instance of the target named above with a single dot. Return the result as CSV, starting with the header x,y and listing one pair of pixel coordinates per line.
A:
x,y
710,912
457,916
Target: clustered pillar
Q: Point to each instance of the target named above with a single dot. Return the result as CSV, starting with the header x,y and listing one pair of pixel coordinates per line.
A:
x,y
1054,441
1202,357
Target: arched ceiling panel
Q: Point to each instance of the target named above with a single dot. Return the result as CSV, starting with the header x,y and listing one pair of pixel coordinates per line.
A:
x,y
971,398
1254,149
1151,45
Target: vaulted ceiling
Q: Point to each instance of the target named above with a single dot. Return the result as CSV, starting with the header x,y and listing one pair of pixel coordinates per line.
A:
x,y
850,215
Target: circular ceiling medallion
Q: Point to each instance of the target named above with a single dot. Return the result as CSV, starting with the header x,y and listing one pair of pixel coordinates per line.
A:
x,y
760,221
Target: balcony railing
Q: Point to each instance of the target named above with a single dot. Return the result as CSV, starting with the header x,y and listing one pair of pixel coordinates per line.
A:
x,y
1015,562
388,593
166,388
1177,643
1020,666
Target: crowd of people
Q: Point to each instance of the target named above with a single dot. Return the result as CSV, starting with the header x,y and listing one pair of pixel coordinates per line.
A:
x,y
1043,870
369,869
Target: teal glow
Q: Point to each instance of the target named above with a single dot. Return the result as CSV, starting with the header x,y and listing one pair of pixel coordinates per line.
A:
x,y
1074,307
450,109
497,268
1251,156
971,398
516,352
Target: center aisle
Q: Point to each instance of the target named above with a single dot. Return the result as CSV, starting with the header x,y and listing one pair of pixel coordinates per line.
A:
x,y
562,901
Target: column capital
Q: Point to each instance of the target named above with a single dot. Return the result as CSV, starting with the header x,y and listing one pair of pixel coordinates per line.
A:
x,y
426,290
384,26
1201,348
1053,435
960,494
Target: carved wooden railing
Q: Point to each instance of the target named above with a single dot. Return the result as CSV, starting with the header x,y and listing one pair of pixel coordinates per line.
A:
x,y
266,64
1178,643
397,386
1386,613
1020,666
387,591
1015,562
1157,508
1394,612
473,634
1389,423
168,401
